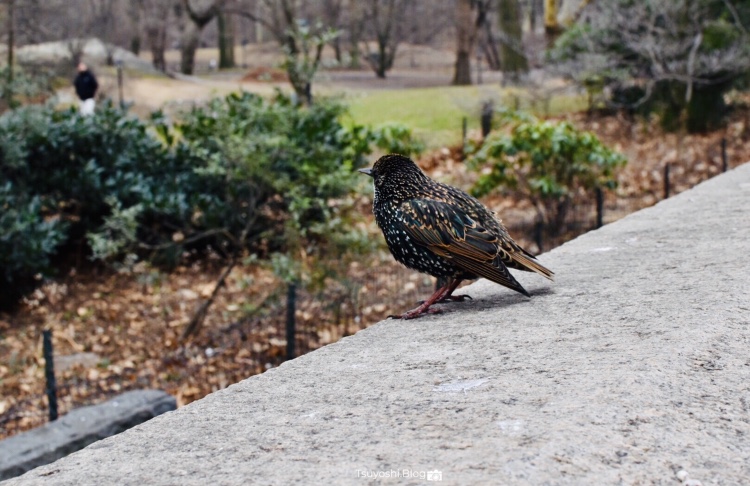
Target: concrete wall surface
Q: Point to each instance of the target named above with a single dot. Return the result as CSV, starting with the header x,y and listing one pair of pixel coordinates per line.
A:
x,y
79,428
632,368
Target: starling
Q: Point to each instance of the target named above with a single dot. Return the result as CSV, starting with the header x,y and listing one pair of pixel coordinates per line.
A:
x,y
442,231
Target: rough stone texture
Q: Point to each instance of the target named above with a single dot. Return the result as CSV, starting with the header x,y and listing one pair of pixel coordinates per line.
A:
x,y
633,368
79,428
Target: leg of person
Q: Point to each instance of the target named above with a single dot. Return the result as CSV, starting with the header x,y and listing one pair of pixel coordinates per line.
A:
x,y
87,107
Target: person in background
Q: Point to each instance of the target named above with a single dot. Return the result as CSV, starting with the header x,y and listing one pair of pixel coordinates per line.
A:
x,y
86,86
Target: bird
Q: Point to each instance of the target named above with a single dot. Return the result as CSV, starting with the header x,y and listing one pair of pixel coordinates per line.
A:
x,y
442,231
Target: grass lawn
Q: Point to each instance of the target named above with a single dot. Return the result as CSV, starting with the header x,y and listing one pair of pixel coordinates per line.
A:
x,y
435,114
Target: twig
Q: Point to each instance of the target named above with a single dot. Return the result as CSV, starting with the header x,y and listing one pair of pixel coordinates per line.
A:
x,y
735,16
691,63
200,315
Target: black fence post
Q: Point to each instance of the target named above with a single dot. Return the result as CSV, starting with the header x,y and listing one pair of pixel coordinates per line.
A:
x,y
291,307
538,227
119,84
463,138
486,119
666,181
599,207
479,69
724,164
49,373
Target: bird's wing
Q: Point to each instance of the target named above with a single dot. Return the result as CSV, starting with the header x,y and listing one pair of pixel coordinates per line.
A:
x,y
513,256
449,232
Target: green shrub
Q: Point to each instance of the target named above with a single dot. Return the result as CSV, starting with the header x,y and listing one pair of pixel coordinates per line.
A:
x,y
27,242
288,172
28,85
549,163
242,173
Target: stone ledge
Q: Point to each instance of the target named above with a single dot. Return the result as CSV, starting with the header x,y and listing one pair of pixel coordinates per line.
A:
x,y
79,428
632,368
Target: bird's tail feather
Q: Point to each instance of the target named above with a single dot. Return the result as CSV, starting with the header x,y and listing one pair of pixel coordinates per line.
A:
x,y
529,263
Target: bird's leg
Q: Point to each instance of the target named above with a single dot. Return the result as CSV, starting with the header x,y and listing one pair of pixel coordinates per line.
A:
x,y
424,308
449,297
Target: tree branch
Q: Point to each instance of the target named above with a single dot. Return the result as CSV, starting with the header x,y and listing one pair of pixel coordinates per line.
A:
x,y
202,18
200,315
691,66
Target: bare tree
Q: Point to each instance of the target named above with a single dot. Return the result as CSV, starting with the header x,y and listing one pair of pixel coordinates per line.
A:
x,y
301,39
470,16
551,25
156,15
512,55
101,24
681,54
332,16
426,21
226,24
29,28
385,17
534,8
135,9
355,31
488,44
200,13
11,46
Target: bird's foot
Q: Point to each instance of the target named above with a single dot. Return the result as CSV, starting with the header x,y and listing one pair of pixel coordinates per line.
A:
x,y
414,313
450,298
455,298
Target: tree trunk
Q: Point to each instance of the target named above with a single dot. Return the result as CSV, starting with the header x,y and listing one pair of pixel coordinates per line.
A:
x,y
75,49
157,40
134,11
135,44
488,44
11,52
191,37
462,74
354,55
226,41
155,18
551,25
512,57
388,33
465,37
336,44
356,26
382,60
190,40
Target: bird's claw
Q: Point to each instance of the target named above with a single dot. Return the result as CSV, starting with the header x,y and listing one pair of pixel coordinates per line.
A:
x,y
450,298
413,314
456,298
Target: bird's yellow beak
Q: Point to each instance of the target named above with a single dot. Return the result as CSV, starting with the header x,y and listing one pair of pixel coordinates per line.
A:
x,y
367,171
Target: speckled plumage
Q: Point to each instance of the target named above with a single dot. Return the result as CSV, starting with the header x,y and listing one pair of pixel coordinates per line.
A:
x,y
442,231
